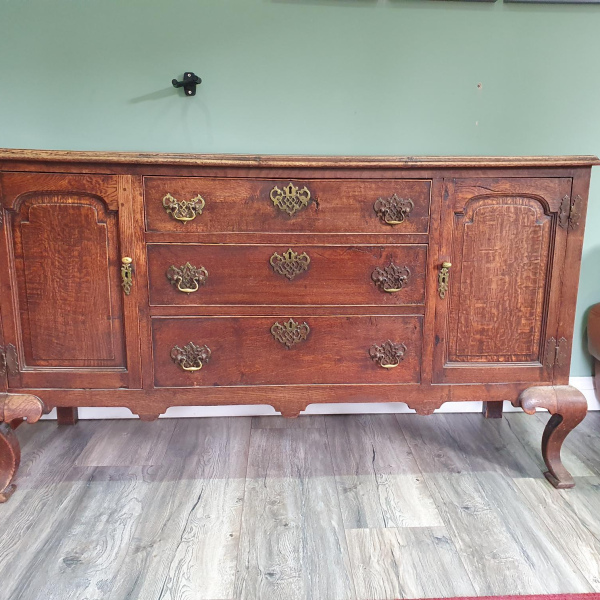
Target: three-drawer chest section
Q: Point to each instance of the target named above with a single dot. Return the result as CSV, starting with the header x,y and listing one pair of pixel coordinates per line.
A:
x,y
277,301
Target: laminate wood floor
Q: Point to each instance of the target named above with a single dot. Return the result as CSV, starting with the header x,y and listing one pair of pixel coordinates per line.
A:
x,y
321,508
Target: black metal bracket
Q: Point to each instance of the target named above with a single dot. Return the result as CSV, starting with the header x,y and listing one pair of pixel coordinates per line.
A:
x,y
189,83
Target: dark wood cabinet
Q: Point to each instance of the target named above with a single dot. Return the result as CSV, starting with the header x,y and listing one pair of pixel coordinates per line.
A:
x,y
147,281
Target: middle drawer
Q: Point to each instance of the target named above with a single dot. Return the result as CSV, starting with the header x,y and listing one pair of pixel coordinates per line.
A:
x,y
204,274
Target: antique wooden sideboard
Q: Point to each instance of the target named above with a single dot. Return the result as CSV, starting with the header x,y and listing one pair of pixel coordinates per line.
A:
x,y
152,280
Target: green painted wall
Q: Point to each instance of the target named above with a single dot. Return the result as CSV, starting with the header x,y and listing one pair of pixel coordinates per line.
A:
x,y
309,76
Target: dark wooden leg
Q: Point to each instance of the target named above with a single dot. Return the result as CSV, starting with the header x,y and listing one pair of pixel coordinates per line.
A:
x,y
13,409
67,415
10,457
597,377
492,410
568,407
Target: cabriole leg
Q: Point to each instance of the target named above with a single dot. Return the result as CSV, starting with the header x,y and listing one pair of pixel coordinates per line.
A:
x,y
568,407
13,408
10,458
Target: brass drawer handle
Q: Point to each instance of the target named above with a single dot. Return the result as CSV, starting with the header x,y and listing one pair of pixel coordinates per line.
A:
x,y
389,355
190,357
290,263
183,210
290,199
290,333
444,279
187,278
126,274
394,210
391,279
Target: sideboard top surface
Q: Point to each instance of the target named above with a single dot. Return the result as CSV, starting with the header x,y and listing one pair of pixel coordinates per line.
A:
x,y
233,160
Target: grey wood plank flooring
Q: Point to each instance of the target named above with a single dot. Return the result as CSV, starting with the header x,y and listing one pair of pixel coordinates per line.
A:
x,y
379,482
293,544
366,507
408,562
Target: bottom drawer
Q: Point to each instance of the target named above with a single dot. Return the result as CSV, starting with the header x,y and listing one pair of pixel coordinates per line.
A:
x,y
300,349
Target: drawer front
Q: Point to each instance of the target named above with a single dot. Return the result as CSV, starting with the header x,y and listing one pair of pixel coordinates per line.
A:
x,y
195,274
301,349
200,204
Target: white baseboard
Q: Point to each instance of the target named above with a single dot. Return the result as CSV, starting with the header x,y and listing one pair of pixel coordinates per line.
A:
x,y
584,384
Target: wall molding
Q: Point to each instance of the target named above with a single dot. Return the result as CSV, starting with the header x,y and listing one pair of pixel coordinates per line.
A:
x,y
584,384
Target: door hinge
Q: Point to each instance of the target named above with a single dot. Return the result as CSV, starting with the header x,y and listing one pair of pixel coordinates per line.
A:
x,y
9,363
556,352
569,212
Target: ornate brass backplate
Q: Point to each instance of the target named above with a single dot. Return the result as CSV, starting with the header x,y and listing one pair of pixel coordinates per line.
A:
x,y
290,199
391,278
388,355
290,263
190,357
187,278
394,210
126,274
290,333
183,210
444,279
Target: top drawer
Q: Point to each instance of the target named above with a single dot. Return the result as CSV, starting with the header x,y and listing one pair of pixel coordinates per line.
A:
x,y
202,204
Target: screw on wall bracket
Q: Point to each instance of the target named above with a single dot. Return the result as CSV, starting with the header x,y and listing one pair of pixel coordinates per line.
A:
x,y
189,83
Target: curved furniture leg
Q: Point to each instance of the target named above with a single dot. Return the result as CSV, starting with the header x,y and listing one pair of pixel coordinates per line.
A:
x,y
10,458
14,407
568,407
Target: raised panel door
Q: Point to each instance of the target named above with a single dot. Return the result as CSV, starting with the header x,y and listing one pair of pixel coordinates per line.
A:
x,y
498,318
71,323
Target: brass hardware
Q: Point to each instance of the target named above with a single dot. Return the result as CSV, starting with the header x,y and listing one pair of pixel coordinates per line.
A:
x,y
188,276
389,355
290,199
394,210
443,279
290,264
290,333
190,357
183,210
569,212
126,274
556,352
391,278
562,352
9,362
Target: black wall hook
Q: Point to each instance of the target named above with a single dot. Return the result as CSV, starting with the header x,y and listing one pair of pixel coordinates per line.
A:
x,y
189,83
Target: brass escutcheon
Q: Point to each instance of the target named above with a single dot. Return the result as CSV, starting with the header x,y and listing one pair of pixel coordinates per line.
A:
x,y
187,278
183,210
290,263
444,279
290,332
290,199
126,274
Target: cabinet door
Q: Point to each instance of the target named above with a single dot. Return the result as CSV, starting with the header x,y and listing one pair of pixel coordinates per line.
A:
x,y
499,317
64,308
